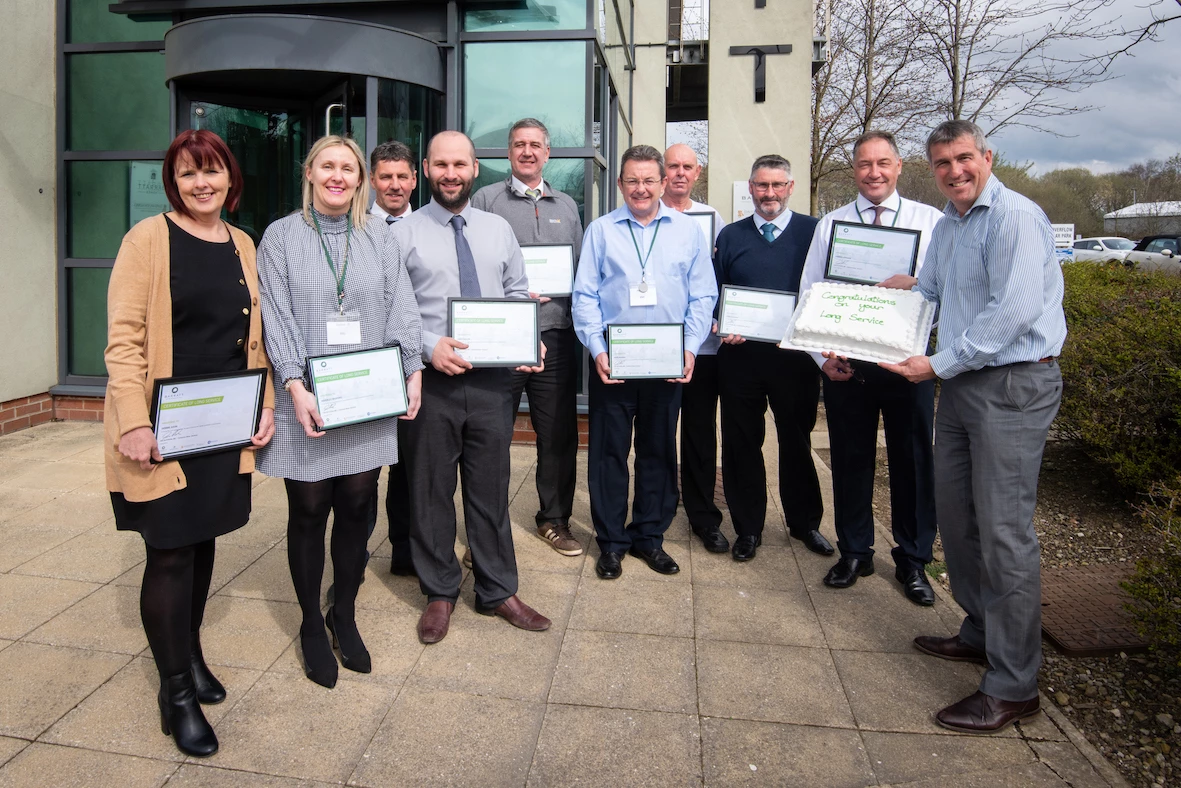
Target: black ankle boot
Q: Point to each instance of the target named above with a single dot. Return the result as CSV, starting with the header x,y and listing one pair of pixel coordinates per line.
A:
x,y
209,689
181,716
319,663
349,639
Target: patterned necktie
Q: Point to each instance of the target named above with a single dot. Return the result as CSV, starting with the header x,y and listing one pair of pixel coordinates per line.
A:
x,y
469,282
769,232
533,194
878,210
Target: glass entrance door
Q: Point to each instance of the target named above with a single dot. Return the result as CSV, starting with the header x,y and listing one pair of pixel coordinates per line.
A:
x,y
269,145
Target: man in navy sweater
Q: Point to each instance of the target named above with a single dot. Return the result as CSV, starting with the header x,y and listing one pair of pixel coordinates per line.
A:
x,y
767,251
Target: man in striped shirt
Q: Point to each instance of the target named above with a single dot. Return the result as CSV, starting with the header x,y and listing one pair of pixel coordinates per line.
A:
x,y
991,268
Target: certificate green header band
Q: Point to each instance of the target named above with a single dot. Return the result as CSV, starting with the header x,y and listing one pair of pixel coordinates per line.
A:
x,y
852,242
479,320
633,341
746,304
191,403
360,373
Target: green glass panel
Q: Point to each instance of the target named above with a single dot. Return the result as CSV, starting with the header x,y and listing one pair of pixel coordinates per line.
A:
x,y
567,175
411,114
87,294
98,207
526,15
92,21
117,101
496,95
269,147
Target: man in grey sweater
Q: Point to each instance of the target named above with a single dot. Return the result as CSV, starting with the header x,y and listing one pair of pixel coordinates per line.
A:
x,y
540,214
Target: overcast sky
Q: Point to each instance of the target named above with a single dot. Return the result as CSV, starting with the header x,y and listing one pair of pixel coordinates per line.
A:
x,y
1137,116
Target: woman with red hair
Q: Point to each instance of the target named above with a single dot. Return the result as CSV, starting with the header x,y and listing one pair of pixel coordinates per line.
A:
x,y
183,300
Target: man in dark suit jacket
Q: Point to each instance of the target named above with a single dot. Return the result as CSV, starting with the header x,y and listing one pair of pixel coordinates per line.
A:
x,y
767,251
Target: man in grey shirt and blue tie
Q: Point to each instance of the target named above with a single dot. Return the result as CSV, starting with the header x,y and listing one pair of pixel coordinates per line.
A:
x,y
453,250
992,269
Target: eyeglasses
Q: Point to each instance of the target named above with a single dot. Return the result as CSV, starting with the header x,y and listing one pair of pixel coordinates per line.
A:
x,y
777,186
647,183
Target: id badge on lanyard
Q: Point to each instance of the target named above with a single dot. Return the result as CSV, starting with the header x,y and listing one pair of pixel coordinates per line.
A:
x,y
344,327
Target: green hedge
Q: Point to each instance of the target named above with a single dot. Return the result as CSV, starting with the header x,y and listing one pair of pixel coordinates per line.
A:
x,y
1121,399
1121,370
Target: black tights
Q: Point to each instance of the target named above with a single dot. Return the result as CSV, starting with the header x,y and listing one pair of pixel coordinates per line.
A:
x,y
308,505
172,601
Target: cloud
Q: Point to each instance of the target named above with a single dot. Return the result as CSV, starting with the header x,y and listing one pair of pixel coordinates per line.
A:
x,y
1135,118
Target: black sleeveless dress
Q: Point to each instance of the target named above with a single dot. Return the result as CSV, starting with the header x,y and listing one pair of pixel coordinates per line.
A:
x,y
210,320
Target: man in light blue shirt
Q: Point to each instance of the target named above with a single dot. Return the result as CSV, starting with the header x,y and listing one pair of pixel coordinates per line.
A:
x,y
641,263
992,269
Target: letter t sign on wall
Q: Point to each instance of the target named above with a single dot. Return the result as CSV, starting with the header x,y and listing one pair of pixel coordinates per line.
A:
x,y
760,54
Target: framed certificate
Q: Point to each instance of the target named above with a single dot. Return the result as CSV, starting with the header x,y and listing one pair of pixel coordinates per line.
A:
x,y
866,254
202,414
498,332
636,351
550,269
753,313
365,385
706,220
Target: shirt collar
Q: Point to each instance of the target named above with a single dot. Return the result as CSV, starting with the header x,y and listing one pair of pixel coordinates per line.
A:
x,y
377,210
987,195
518,186
443,216
779,221
624,213
891,203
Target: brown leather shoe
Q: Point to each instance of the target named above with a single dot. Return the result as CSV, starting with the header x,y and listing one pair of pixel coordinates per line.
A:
x,y
520,615
432,626
950,648
980,713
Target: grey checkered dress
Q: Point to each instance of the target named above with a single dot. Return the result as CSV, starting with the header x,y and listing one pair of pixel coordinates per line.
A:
x,y
298,294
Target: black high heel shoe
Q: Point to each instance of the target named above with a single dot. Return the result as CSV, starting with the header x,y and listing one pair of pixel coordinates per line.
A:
x,y
319,663
182,718
359,661
209,689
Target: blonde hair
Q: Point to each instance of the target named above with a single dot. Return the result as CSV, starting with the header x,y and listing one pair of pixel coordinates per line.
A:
x,y
360,204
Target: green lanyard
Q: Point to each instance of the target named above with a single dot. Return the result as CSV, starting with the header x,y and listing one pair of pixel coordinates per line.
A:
x,y
328,256
643,258
861,218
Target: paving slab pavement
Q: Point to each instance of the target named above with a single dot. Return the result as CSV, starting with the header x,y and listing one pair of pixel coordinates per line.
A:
x,y
726,674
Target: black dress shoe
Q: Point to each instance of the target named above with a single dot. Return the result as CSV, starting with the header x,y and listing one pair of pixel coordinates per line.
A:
x,y
607,567
745,547
846,571
916,586
181,716
815,541
345,637
657,560
209,689
980,713
713,539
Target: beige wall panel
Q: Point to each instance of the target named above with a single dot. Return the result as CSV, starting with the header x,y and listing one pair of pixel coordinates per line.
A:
x,y
28,267
648,116
741,130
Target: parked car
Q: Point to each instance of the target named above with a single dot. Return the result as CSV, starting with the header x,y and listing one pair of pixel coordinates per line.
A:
x,y
1156,253
1102,250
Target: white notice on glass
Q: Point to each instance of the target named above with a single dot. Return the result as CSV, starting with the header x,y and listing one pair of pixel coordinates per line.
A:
x,y
206,415
646,350
550,269
761,315
356,387
867,254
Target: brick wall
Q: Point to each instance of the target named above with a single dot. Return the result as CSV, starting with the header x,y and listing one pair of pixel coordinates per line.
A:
x,y
523,433
78,408
16,414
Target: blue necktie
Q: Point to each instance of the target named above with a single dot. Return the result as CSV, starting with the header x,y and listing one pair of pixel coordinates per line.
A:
x,y
390,220
769,232
469,281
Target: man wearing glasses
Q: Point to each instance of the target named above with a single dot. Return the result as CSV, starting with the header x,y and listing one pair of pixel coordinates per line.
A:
x,y
767,251
641,263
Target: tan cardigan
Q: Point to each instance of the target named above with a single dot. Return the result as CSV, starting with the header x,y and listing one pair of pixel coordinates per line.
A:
x,y
139,350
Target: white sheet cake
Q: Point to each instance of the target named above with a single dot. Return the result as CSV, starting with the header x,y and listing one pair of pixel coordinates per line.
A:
x,y
859,321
